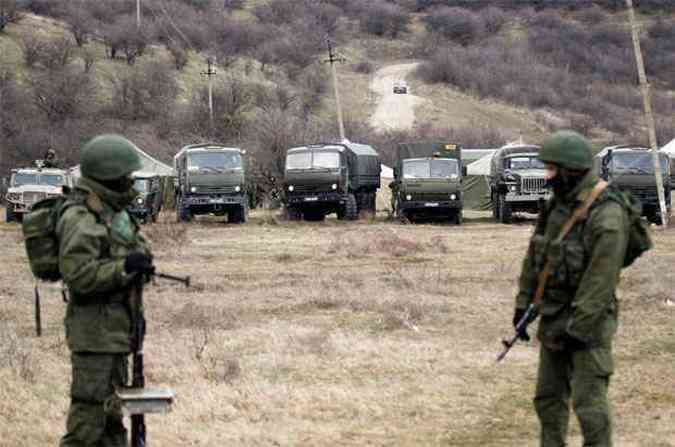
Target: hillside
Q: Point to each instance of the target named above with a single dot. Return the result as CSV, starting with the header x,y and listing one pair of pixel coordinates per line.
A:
x,y
484,75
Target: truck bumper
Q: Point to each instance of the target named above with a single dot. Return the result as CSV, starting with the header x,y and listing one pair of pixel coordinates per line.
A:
x,y
315,198
513,197
211,200
430,205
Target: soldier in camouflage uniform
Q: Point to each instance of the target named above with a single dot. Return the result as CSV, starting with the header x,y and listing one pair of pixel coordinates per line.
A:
x,y
101,253
579,307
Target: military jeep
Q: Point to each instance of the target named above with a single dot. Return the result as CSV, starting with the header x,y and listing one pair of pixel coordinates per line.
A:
x,y
211,180
30,185
148,203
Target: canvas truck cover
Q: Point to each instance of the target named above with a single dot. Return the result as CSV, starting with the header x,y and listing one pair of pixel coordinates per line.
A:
x,y
497,164
427,150
367,165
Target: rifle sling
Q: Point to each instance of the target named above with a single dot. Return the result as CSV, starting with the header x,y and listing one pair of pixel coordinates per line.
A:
x,y
578,214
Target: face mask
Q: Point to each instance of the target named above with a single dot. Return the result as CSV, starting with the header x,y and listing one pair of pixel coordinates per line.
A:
x,y
121,185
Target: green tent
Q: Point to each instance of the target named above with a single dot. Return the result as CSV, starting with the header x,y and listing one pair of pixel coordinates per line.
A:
x,y
476,185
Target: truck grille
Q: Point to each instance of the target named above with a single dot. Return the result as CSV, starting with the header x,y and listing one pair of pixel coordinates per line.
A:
x,y
30,198
311,188
646,194
216,189
532,185
431,197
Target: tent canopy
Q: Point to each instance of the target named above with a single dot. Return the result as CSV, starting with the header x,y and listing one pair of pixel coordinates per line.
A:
x,y
149,163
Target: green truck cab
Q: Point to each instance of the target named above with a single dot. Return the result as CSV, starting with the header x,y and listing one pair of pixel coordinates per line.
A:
x,y
148,204
631,168
321,179
211,179
428,181
517,181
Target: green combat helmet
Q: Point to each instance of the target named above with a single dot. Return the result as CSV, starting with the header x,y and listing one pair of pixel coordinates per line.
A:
x,y
107,157
567,149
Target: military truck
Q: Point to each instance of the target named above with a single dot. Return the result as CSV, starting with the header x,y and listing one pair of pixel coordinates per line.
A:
x,y
631,167
148,203
341,178
516,181
28,186
428,181
211,180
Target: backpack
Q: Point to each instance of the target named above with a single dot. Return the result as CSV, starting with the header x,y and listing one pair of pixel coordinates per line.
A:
x,y
42,244
639,240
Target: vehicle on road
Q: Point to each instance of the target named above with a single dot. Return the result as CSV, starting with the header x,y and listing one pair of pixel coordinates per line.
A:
x,y
211,180
148,204
428,181
516,181
631,168
28,186
400,87
340,178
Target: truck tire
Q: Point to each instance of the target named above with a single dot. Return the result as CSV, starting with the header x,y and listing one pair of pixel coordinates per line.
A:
x,y
351,209
457,218
9,214
505,212
183,212
293,214
495,206
238,216
655,218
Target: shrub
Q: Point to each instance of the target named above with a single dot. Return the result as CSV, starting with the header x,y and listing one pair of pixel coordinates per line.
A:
x,y
62,94
384,19
457,24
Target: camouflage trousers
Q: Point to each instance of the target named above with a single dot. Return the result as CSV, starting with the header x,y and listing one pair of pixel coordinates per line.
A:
x,y
582,377
95,377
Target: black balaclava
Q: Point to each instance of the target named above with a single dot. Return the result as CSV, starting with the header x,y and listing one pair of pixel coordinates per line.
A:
x,y
565,181
121,185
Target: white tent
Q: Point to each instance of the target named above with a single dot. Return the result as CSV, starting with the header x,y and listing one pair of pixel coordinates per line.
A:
x,y
480,166
387,172
150,165
669,148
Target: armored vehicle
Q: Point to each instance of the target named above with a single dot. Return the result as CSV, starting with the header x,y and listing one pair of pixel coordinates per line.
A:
x,y
30,185
631,168
428,181
148,204
516,181
211,180
340,178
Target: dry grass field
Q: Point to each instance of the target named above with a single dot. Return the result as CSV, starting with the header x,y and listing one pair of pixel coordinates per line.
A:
x,y
370,333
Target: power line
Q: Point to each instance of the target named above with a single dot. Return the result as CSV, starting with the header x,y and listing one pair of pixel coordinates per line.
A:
x,y
334,58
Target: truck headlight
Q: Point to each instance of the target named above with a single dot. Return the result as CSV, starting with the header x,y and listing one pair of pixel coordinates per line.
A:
x,y
290,188
408,197
513,188
139,200
193,189
453,196
237,188
333,186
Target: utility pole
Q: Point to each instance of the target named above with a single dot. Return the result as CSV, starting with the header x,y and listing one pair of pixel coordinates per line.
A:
x,y
333,59
138,15
209,73
649,117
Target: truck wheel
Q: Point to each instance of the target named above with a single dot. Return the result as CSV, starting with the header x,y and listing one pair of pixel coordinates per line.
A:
x,y
654,218
183,213
457,217
9,214
314,216
293,214
495,207
351,210
372,206
505,213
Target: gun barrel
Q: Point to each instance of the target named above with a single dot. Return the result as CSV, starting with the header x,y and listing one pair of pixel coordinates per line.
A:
x,y
184,279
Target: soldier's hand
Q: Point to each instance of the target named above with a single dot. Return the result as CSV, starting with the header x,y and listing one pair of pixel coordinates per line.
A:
x,y
517,316
138,262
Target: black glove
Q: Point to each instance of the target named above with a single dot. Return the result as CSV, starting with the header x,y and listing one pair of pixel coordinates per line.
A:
x,y
573,344
138,262
517,316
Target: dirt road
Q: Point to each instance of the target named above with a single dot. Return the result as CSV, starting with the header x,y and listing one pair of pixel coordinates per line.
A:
x,y
393,111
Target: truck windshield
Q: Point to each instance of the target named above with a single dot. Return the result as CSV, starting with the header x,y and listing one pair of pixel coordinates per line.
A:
x,y
518,163
214,161
141,185
52,180
25,179
636,162
430,168
313,160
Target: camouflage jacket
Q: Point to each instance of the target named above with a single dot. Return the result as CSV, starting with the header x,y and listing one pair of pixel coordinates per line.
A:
x,y
95,234
586,265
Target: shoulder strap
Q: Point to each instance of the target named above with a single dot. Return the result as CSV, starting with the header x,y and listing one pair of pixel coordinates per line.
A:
x,y
579,213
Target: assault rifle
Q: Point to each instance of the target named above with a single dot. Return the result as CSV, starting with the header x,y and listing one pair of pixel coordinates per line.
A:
x,y
137,400
521,328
